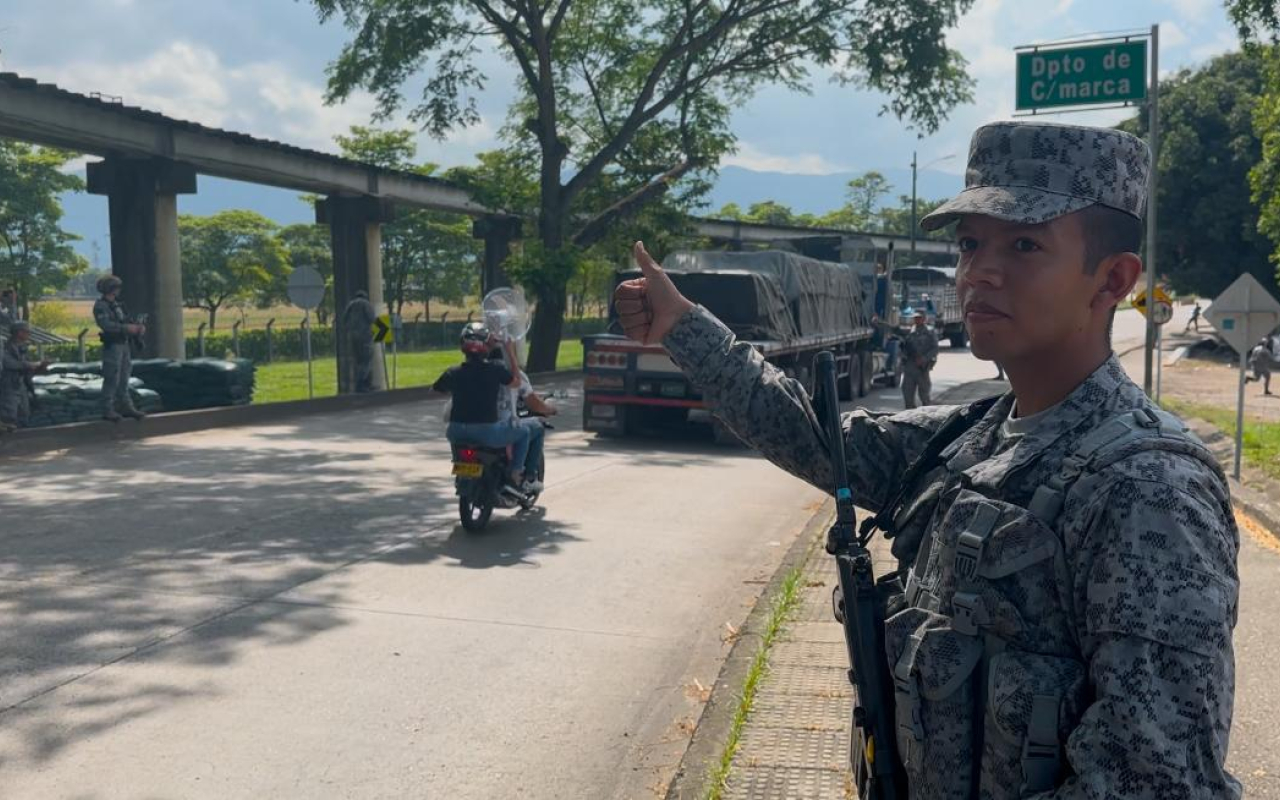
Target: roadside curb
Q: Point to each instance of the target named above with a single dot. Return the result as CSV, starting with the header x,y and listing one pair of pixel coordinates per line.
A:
x,y
32,441
707,745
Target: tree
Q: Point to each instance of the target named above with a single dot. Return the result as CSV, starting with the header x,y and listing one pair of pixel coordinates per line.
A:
x,y
307,245
36,254
637,96
770,212
861,209
1208,231
232,255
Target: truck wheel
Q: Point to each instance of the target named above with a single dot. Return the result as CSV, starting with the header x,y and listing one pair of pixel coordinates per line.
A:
x,y
960,338
866,365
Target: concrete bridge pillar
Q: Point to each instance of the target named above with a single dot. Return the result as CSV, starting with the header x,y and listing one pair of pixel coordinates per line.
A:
x,y
498,232
355,230
142,197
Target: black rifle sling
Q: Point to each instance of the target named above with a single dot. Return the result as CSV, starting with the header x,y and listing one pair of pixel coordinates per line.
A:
x,y
952,429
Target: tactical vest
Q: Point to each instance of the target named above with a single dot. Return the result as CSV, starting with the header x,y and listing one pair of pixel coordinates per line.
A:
x,y
988,674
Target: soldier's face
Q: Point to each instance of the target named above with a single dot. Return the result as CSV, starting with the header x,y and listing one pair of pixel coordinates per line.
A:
x,y
1023,288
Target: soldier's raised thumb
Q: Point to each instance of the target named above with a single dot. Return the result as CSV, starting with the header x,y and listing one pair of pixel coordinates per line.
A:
x,y
648,267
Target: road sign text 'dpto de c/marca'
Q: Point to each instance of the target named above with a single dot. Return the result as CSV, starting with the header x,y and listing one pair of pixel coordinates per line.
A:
x,y
1083,75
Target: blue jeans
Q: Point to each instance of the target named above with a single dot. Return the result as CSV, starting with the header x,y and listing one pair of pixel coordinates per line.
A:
x,y
493,434
537,434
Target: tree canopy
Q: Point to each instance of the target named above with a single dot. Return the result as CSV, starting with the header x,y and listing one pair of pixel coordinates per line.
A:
x,y
229,256
621,101
36,254
1208,231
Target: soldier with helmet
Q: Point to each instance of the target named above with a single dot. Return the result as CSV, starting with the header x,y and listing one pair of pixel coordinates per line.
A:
x,y
16,387
474,385
117,359
1066,552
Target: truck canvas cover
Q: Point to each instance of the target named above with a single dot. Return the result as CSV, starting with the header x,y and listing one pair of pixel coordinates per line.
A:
x,y
773,295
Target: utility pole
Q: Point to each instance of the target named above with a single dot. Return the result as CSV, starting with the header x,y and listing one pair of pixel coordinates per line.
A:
x,y
913,206
1153,132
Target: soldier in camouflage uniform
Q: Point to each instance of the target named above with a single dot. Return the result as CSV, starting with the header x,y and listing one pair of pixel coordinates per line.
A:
x,y
117,359
16,387
1070,559
920,354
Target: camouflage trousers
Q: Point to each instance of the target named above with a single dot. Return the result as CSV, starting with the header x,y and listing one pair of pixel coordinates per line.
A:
x,y
15,404
117,366
916,381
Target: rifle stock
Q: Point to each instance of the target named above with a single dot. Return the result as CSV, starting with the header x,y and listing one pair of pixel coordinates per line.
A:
x,y
859,606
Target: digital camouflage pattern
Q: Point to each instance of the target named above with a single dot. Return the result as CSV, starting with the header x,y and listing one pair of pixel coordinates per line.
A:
x,y
1033,172
1113,623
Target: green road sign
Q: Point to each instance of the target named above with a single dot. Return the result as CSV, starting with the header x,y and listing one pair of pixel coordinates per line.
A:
x,y
1082,76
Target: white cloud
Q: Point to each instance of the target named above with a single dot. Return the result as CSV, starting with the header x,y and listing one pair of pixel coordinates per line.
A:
x,y
1194,10
262,98
751,157
1171,34
1225,42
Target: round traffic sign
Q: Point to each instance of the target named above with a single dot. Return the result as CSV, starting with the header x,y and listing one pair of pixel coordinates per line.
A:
x,y
306,287
1161,313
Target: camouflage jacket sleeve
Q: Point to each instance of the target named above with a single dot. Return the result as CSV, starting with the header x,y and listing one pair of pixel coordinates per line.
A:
x,y
106,319
1155,598
773,414
12,360
929,346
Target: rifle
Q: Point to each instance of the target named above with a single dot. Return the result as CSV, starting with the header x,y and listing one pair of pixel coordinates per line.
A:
x,y
859,606
136,343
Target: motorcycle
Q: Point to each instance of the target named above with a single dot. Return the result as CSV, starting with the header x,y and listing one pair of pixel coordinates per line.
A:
x,y
479,477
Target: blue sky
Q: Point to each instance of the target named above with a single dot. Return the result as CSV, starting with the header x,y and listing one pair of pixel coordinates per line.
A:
x,y
258,67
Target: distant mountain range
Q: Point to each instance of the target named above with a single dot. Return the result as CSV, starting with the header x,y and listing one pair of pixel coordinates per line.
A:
x,y
86,215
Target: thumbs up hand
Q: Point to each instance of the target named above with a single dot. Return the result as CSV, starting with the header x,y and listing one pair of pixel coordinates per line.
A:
x,y
649,307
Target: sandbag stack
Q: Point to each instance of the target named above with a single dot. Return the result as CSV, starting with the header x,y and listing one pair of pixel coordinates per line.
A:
x,y
67,397
185,385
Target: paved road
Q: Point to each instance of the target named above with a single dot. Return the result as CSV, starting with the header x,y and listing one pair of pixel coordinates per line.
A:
x,y
292,611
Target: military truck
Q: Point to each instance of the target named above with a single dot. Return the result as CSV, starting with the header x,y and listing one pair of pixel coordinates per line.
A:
x,y
932,290
787,306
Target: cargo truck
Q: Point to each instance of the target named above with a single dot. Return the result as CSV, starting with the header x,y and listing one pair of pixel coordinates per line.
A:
x,y
787,306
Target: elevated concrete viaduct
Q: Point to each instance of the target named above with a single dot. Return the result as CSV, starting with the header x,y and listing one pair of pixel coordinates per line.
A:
x,y
148,159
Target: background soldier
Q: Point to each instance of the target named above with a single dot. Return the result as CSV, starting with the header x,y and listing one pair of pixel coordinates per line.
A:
x,y
357,320
920,354
1068,550
117,359
16,386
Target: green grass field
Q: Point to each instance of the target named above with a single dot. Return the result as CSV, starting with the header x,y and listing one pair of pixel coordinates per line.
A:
x,y
1261,439
287,380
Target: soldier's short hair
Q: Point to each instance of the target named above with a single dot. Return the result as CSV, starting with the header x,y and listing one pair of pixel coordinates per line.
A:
x,y
1108,231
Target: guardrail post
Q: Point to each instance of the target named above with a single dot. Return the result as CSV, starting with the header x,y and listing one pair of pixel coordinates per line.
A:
x,y
271,350
235,337
200,338
84,356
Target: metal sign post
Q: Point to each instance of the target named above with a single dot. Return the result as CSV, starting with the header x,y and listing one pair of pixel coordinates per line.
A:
x,y
1101,72
1243,314
1153,133
306,347
306,291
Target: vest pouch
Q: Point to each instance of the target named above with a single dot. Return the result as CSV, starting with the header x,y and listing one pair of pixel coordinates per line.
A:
x,y
935,703
1033,703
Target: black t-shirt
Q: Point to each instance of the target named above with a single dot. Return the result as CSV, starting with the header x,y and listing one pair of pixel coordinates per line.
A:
x,y
474,386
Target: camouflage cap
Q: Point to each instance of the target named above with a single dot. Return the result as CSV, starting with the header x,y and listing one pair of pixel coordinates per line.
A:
x,y
1032,172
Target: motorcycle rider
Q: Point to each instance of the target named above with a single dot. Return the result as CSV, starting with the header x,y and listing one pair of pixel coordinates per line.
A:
x,y
474,385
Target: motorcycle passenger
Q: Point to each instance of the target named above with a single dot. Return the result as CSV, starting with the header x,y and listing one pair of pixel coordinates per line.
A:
x,y
508,409
474,385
